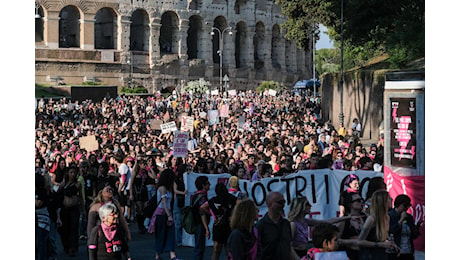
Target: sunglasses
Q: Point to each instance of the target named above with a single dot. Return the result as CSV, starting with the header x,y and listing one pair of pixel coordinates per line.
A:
x,y
109,190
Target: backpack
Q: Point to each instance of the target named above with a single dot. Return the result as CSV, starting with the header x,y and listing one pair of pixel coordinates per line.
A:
x,y
187,216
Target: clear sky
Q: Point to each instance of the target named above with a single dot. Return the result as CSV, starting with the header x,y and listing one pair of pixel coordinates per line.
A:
x,y
324,41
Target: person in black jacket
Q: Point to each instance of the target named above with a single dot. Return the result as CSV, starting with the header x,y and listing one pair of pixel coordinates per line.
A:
x,y
403,228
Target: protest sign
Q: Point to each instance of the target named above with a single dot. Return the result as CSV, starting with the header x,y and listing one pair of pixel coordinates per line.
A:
x,y
155,124
89,143
224,111
272,92
213,117
186,123
180,144
215,92
168,127
232,92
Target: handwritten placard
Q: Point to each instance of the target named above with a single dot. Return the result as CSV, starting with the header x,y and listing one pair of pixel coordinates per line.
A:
x,y
186,123
156,124
180,144
168,127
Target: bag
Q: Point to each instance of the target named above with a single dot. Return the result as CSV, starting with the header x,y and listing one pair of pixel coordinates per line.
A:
x,y
187,217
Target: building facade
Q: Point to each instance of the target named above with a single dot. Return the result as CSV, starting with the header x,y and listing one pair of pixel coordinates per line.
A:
x,y
159,44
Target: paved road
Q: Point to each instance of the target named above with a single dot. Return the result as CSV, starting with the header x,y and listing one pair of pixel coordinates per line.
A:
x,y
141,248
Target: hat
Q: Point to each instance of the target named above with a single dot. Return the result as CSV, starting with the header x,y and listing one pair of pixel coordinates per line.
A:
x,y
233,182
261,162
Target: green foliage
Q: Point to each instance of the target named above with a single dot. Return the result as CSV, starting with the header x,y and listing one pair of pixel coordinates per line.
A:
x,y
268,85
195,87
370,28
90,83
135,90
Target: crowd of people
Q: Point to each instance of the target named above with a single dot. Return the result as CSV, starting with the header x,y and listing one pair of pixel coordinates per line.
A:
x,y
133,177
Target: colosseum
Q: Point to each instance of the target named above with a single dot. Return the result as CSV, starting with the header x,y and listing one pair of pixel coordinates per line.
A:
x,y
160,44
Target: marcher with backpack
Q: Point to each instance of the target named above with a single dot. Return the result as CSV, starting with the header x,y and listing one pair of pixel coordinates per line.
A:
x,y
200,219
220,208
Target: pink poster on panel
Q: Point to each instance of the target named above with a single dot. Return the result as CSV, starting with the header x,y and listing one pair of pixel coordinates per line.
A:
x,y
414,187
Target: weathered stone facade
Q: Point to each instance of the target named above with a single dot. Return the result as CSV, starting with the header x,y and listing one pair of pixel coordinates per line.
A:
x,y
165,43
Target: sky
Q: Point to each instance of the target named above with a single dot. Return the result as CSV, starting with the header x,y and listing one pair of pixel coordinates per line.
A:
x,y
324,41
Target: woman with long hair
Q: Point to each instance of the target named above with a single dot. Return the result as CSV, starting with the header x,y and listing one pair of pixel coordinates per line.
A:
x,y
70,212
163,219
300,226
242,241
138,191
373,239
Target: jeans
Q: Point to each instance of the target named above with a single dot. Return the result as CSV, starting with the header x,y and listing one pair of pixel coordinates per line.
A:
x,y
164,235
41,243
151,190
200,242
177,223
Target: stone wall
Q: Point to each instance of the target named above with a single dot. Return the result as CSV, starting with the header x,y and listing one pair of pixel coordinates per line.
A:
x,y
117,41
362,98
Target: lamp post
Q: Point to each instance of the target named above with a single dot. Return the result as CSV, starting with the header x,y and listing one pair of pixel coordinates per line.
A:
x,y
130,62
221,48
341,65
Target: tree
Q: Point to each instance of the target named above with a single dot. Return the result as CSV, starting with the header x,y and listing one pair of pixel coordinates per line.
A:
x,y
370,27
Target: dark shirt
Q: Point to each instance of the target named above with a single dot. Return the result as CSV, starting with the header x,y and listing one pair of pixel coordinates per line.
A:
x,y
274,239
105,249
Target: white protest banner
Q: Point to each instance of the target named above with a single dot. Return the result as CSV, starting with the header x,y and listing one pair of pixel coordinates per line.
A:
x,y
224,111
213,117
214,92
321,187
186,123
272,92
168,127
89,143
232,92
180,144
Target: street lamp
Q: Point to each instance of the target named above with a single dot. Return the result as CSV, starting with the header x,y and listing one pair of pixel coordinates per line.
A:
x,y
341,65
226,80
221,48
130,62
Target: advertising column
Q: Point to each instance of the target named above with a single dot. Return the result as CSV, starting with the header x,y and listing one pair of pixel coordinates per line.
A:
x,y
404,142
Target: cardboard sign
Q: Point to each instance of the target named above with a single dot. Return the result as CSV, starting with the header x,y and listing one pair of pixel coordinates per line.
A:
x,y
232,92
224,111
272,92
180,144
186,123
168,127
89,143
156,124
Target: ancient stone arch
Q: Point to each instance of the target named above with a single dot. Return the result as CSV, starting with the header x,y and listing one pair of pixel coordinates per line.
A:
x,y
139,31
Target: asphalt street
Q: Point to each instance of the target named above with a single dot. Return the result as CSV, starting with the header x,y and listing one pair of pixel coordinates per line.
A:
x,y
141,247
